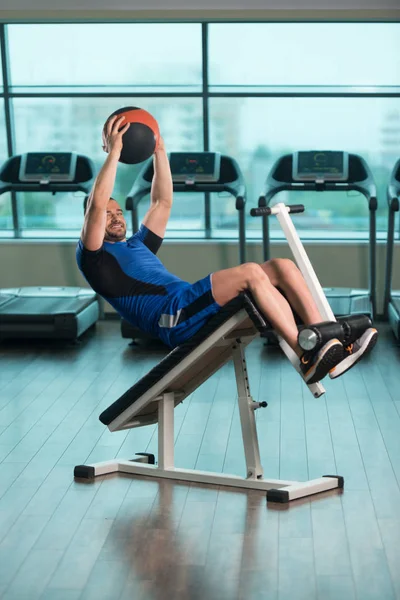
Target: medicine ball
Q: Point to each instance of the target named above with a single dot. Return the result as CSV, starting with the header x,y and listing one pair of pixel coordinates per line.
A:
x,y
140,141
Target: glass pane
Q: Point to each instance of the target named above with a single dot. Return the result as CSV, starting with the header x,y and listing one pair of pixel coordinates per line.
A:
x,y
267,128
45,215
103,56
75,124
304,54
6,222
187,220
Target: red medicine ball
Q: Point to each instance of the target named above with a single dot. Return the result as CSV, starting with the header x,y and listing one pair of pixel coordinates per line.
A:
x,y
141,139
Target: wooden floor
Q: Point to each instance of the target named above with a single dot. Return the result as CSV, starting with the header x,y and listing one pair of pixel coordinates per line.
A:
x,y
120,538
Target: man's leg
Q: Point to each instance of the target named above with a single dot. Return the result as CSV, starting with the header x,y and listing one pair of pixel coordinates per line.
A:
x,y
228,283
284,274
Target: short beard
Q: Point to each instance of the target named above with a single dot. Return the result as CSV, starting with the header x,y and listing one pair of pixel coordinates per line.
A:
x,y
111,236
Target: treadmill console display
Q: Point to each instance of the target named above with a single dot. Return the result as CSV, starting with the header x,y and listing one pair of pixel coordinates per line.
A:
x,y
320,165
195,167
47,167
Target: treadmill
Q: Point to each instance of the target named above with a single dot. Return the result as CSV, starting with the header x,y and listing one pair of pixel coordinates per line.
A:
x,y
333,171
47,312
195,172
392,299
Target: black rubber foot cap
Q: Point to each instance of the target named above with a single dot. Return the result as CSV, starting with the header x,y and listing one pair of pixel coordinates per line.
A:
x,y
84,472
339,478
281,496
151,459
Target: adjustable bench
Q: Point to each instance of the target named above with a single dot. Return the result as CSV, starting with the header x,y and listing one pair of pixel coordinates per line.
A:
x,y
154,397
223,338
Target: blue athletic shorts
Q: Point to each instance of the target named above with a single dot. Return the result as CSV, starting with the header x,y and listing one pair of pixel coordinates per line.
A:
x,y
186,311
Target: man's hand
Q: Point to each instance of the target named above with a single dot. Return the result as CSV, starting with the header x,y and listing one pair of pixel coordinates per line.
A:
x,y
112,136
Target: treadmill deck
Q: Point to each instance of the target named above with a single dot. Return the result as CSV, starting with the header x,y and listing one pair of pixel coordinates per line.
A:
x,y
48,312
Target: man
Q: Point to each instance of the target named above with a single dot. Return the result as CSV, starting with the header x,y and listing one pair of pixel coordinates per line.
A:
x,y
133,280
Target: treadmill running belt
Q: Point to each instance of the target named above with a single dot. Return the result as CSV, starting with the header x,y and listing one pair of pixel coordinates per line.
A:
x,y
22,306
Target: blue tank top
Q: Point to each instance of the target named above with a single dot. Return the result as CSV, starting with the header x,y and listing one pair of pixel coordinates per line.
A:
x,y
131,277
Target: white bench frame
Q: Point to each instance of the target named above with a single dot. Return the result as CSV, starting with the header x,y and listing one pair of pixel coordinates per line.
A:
x,y
277,490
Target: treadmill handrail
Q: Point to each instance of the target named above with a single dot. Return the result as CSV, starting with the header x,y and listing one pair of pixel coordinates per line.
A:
x,y
393,189
134,197
389,263
137,193
141,187
235,187
393,194
51,187
273,186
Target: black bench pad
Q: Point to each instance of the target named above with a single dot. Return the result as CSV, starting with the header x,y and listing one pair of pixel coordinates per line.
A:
x,y
255,321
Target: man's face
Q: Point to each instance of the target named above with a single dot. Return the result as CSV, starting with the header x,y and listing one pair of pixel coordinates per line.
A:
x,y
116,224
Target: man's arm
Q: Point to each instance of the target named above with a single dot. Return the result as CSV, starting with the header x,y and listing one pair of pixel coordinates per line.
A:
x,y
94,224
157,216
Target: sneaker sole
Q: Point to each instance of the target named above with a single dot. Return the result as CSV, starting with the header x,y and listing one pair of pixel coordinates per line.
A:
x,y
351,360
332,357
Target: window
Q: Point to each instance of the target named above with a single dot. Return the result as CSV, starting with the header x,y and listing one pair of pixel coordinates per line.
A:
x,y
75,124
267,128
106,57
271,89
283,55
259,109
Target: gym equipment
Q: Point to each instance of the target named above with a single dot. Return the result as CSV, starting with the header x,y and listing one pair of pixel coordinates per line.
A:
x,y
140,141
346,329
195,172
41,167
391,298
332,171
224,337
47,312
313,337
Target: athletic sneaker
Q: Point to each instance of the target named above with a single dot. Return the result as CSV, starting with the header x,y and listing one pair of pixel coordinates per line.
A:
x,y
316,365
354,352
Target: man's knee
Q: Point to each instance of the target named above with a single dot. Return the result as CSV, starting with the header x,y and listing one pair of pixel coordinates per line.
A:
x,y
252,273
283,268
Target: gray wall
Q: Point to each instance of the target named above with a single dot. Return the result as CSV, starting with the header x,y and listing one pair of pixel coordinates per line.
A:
x,y
38,263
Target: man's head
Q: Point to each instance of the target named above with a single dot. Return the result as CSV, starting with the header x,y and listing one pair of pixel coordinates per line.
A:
x,y
116,224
